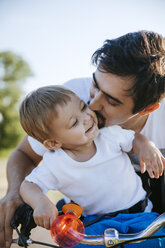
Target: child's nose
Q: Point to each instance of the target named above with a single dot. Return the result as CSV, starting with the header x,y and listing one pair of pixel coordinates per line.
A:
x,y
86,118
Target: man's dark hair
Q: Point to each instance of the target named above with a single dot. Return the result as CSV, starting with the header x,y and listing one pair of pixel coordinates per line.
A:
x,y
140,55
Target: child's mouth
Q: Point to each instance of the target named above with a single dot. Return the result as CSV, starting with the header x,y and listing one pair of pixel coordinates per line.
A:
x,y
90,129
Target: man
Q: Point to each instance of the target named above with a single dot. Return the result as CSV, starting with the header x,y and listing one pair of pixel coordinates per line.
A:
x,y
128,85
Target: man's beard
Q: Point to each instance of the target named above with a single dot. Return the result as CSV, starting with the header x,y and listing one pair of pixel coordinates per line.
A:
x,y
101,119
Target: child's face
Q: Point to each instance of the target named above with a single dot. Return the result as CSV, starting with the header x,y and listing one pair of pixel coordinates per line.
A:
x,y
75,125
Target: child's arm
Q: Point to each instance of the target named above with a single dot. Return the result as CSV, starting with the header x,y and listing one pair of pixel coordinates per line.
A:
x,y
150,157
44,210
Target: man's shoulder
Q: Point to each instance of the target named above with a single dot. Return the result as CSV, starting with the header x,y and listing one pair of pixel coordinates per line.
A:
x,y
81,80
76,83
81,86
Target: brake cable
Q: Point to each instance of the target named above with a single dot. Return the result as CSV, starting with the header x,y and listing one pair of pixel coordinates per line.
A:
x,y
20,237
22,242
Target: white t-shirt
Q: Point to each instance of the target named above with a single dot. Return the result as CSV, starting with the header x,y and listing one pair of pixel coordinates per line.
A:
x,y
105,183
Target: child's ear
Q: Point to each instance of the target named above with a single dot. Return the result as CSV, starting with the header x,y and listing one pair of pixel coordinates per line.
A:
x,y
52,144
149,109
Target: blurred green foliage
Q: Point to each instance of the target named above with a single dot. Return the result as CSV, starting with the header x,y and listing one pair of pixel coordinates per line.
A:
x,y
13,73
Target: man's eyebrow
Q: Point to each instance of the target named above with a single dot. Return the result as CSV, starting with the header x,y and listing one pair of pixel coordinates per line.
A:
x,y
109,96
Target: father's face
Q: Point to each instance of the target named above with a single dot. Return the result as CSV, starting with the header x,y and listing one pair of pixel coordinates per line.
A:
x,y
108,97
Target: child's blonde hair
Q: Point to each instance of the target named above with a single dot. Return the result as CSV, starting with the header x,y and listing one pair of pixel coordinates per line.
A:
x,y
38,109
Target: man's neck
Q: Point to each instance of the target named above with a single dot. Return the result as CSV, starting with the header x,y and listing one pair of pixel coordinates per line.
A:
x,y
136,123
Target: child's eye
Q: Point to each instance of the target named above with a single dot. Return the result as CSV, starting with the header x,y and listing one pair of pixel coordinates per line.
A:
x,y
75,123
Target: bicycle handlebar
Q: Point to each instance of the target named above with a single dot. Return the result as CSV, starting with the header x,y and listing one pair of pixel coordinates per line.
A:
x,y
112,237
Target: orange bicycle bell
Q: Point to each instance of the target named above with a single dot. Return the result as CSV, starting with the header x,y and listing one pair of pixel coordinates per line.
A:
x,y
67,230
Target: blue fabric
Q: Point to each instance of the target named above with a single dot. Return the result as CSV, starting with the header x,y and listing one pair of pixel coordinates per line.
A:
x,y
126,223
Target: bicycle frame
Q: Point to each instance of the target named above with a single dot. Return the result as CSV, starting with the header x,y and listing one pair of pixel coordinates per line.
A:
x,y
112,237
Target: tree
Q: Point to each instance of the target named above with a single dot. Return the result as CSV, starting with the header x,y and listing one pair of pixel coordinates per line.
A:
x,y
13,72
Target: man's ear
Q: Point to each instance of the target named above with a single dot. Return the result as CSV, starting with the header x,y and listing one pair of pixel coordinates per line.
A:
x,y
52,144
149,109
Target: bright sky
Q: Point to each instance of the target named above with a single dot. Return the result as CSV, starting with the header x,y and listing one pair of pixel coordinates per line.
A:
x,y
58,37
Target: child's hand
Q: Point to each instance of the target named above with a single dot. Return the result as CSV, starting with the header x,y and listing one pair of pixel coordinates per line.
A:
x,y
151,160
44,214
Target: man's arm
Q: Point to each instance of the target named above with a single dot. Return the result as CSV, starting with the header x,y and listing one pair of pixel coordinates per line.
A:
x,y
21,162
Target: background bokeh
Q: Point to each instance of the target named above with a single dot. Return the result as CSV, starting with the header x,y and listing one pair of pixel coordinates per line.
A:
x,y
56,38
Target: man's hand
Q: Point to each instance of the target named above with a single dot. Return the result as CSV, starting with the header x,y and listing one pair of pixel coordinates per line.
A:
x,y
8,205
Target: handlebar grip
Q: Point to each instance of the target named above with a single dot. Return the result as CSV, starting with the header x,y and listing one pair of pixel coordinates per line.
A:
x,y
24,216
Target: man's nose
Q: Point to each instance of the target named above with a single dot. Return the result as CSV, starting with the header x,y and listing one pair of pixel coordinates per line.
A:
x,y
97,102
